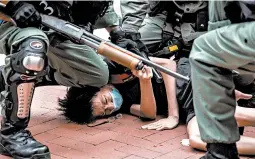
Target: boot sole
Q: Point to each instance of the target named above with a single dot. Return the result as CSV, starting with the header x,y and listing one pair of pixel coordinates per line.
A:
x,y
5,152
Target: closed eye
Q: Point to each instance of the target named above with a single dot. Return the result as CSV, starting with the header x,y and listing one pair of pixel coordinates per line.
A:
x,y
110,98
105,100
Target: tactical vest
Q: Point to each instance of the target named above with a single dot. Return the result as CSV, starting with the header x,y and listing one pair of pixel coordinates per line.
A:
x,y
188,18
77,12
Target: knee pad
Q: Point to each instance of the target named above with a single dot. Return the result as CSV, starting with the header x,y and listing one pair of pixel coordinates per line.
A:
x,y
30,57
28,63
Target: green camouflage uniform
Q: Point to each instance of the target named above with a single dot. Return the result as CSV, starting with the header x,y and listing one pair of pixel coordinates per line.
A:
x,y
75,65
136,17
213,57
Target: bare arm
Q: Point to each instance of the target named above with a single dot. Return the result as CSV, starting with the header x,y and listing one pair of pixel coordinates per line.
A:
x,y
147,107
173,109
148,104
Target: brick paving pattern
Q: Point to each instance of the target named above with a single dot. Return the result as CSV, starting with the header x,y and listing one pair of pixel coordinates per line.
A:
x,y
122,139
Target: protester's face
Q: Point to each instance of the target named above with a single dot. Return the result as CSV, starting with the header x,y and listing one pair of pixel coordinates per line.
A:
x,y
104,102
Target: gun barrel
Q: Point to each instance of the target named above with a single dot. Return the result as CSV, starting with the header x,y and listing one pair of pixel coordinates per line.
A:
x,y
89,42
92,36
149,63
82,36
144,60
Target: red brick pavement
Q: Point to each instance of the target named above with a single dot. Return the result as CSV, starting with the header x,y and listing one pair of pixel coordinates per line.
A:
x,y
122,139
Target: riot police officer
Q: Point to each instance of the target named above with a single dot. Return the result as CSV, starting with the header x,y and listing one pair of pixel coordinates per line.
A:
x,y
167,28
229,46
34,55
165,23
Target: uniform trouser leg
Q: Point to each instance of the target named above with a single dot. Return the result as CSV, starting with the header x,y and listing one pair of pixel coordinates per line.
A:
x,y
212,58
77,65
25,63
151,31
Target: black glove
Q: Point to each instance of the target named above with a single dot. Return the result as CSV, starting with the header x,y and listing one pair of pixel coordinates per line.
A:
x,y
131,41
24,14
119,37
142,47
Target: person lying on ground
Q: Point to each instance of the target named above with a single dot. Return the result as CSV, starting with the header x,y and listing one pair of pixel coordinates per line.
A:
x,y
244,116
138,95
145,98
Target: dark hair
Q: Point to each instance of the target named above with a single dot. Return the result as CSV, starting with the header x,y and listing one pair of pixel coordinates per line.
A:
x,y
76,105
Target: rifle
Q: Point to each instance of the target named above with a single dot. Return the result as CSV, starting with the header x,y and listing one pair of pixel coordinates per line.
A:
x,y
103,47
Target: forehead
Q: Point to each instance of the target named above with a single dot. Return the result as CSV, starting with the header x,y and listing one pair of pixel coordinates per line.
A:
x,y
104,92
97,100
97,107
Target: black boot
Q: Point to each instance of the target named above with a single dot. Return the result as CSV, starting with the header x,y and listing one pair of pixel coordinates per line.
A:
x,y
15,141
221,151
20,144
